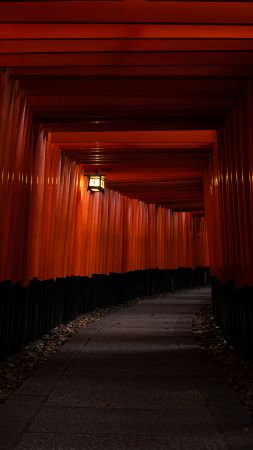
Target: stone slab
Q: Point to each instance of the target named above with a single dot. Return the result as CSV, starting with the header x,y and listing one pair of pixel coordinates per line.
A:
x,y
41,441
135,379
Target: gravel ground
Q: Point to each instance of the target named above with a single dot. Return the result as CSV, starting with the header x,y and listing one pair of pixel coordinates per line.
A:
x,y
14,370
237,369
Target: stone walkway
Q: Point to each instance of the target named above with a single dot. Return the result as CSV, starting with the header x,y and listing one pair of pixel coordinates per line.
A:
x,y
133,380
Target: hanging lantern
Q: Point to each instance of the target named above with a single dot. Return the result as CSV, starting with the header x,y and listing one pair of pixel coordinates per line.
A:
x,y
96,183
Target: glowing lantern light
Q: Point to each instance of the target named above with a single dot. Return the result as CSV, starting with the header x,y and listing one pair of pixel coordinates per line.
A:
x,y
96,183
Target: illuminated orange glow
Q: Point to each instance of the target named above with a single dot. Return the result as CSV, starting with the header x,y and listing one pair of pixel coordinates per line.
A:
x,y
158,96
55,229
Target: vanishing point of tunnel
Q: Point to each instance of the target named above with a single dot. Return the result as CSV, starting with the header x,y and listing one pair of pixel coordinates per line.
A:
x,y
126,186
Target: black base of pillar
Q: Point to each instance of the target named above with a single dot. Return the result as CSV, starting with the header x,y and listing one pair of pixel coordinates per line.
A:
x,y
28,313
233,311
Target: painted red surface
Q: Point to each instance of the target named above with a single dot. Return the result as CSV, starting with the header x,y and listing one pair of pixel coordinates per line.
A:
x,y
156,95
228,192
52,227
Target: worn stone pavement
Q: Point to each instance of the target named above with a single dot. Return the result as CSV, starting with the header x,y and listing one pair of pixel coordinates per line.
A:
x,y
135,379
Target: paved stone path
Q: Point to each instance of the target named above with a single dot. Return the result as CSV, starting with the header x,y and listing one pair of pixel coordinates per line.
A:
x,y
133,380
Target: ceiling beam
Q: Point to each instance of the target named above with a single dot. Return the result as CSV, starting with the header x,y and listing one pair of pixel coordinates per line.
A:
x,y
174,12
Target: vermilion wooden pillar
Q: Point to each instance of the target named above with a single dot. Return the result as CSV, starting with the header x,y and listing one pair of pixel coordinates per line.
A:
x,y
228,192
52,227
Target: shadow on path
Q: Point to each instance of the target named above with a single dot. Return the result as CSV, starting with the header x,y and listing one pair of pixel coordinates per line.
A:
x,y
135,379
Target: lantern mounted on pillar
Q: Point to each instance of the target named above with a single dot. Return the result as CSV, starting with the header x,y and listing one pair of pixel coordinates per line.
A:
x,y
96,183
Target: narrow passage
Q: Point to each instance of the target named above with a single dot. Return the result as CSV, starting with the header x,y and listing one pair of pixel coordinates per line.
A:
x,y
135,379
